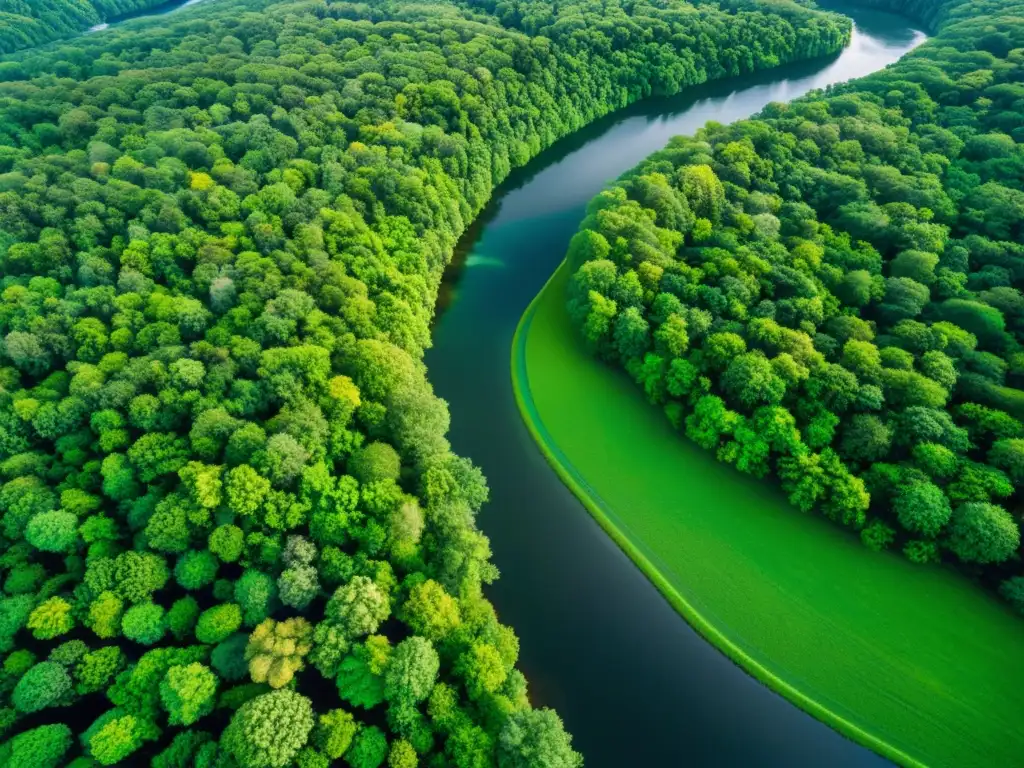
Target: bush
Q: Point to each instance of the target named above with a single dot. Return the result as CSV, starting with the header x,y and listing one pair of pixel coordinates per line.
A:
x,y
196,569
51,619
922,552
226,543
217,623
115,735
182,617
877,536
1013,591
376,461
922,508
47,684
187,693
269,730
535,737
97,669
369,748
983,533
42,747
255,593
53,531
144,623
228,658
334,732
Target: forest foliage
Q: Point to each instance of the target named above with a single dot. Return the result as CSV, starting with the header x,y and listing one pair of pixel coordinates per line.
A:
x,y
829,294
233,531
25,23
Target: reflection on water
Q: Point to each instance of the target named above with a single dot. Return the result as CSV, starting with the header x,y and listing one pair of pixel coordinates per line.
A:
x,y
635,685
479,260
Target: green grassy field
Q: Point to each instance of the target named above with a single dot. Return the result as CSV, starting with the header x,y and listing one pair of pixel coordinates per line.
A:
x,y
915,662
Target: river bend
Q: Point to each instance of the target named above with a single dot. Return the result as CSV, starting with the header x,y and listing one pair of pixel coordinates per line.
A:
x,y
633,682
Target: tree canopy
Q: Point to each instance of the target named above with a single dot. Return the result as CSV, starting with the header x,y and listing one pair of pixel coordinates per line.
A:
x,y
222,467
830,292
25,23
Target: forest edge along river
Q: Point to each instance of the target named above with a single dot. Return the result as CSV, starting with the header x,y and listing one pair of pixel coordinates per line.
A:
x,y
159,10
634,683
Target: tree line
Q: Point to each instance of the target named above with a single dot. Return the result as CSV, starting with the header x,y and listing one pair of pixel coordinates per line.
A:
x,y
829,294
27,23
233,533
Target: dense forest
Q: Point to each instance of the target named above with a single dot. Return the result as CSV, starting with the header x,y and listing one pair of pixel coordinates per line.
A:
x,y
25,23
233,531
830,294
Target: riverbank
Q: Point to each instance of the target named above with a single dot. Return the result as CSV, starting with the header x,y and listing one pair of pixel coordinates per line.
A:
x,y
915,662
594,634
558,340
161,9
866,642
21,33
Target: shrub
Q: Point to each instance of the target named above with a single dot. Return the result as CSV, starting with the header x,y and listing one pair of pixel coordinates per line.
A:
x,y
144,623
369,748
196,569
217,623
983,533
1013,591
51,619
269,730
42,747
47,684
53,531
187,693
877,536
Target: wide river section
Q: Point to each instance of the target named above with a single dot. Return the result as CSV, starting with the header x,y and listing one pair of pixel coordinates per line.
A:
x,y
634,683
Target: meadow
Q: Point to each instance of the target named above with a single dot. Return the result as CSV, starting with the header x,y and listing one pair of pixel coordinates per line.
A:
x,y
877,647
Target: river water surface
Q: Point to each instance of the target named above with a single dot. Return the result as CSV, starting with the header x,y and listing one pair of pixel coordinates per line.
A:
x,y
634,683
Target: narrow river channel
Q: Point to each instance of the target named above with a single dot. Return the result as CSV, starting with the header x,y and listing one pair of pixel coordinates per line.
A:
x,y
634,684
160,10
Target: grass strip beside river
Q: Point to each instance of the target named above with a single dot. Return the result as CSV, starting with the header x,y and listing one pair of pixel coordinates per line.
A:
x,y
878,648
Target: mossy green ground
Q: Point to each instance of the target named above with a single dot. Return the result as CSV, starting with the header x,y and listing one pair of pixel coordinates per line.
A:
x,y
916,662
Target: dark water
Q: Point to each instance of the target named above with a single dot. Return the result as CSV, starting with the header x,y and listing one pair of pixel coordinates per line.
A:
x,y
634,684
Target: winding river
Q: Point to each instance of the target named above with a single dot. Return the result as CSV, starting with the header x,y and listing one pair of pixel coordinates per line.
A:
x,y
633,682
160,10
